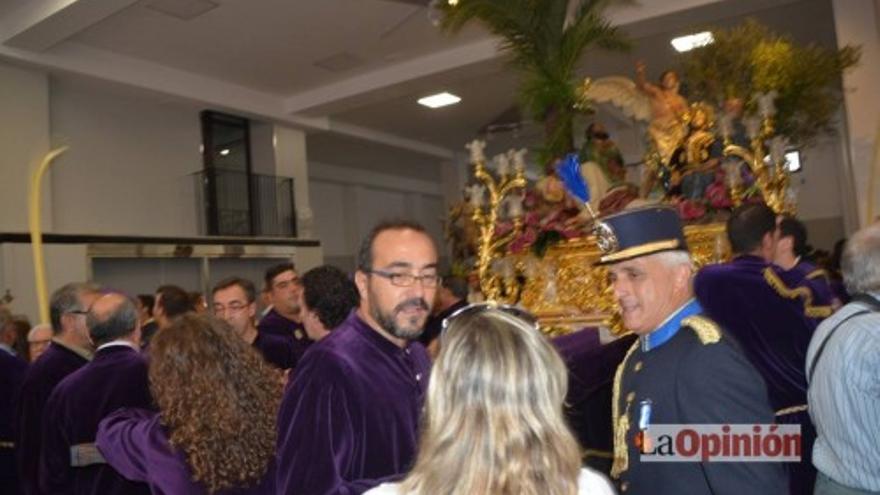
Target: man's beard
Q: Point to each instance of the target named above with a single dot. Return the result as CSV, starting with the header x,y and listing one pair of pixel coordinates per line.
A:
x,y
412,326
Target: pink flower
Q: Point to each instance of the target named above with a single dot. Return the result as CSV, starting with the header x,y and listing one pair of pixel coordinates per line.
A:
x,y
690,210
717,195
523,241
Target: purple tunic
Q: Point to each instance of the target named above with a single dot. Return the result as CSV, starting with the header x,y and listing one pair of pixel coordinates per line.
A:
x,y
806,274
349,418
56,363
277,351
773,331
136,444
275,324
591,367
116,378
12,370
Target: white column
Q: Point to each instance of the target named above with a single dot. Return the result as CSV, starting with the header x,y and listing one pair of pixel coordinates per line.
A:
x,y
856,23
24,140
291,161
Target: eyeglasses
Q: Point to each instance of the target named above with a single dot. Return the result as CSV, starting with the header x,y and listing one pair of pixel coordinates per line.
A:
x,y
510,309
430,280
233,307
77,312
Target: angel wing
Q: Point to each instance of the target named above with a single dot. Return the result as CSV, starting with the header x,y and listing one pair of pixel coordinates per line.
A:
x,y
620,92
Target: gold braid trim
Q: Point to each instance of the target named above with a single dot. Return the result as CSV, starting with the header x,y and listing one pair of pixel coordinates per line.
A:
x,y
792,410
601,454
785,291
707,330
817,273
620,423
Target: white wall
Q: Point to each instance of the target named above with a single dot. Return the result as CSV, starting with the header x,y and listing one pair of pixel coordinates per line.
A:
x,y
127,170
64,263
347,202
24,139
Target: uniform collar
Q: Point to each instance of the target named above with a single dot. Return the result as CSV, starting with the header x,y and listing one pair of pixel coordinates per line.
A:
x,y
670,327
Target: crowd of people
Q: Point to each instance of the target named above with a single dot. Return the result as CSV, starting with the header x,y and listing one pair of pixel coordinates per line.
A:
x,y
386,381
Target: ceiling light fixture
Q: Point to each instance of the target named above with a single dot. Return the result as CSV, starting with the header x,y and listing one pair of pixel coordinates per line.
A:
x,y
439,100
691,41
224,151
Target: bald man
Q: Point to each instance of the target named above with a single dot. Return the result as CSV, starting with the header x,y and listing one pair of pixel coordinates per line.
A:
x,y
115,378
39,339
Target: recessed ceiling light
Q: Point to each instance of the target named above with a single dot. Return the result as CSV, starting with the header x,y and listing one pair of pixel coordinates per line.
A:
x,y
439,100
691,41
224,151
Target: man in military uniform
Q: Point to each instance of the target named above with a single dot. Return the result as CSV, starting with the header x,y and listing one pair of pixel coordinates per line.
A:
x,y
682,370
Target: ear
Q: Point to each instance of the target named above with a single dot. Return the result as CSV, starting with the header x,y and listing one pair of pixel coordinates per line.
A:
x,y
681,277
252,310
360,279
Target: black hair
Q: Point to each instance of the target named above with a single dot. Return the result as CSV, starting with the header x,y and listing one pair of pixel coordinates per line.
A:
x,y
330,293
747,226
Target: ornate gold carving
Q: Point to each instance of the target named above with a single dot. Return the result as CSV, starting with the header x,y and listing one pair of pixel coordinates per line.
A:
x,y
567,291
707,330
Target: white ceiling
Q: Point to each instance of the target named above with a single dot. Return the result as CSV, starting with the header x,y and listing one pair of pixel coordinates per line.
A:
x,y
258,58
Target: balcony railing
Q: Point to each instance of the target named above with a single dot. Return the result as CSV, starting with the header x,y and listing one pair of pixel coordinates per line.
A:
x,y
235,203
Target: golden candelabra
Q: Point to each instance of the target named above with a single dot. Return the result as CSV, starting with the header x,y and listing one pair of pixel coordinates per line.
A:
x,y
771,178
492,246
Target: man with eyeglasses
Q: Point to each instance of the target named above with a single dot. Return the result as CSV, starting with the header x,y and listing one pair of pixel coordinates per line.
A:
x,y
284,293
70,350
234,300
349,419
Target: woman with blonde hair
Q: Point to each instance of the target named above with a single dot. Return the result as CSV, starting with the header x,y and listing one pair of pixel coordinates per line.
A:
x,y
215,429
493,420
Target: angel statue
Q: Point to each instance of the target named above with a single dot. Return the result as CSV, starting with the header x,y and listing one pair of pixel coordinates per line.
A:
x,y
669,112
660,105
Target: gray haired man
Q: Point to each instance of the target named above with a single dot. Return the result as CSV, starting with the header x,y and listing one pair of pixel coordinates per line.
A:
x,y
843,371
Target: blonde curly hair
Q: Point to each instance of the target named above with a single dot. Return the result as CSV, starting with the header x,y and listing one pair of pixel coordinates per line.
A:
x,y
218,399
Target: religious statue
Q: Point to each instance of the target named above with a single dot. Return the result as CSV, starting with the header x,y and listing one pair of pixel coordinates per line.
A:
x,y
603,169
669,113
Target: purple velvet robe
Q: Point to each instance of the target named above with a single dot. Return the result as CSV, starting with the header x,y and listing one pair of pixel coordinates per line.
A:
x,y
349,418
53,366
275,324
277,351
12,371
773,331
116,378
591,367
136,444
806,274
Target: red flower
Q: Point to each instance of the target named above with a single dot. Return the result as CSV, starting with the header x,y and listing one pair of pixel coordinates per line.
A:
x,y
690,210
717,195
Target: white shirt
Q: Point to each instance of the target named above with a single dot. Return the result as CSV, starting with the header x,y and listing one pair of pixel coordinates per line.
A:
x,y
589,483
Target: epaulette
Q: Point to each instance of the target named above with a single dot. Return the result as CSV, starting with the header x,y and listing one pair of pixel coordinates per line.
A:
x,y
707,330
801,292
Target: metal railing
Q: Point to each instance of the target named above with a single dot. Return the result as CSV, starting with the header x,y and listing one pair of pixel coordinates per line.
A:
x,y
235,203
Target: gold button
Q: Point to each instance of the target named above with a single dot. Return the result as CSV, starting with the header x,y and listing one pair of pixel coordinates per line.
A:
x,y
624,486
638,366
630,397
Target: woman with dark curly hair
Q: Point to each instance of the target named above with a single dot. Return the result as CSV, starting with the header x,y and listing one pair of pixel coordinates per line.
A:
x,y
215,429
